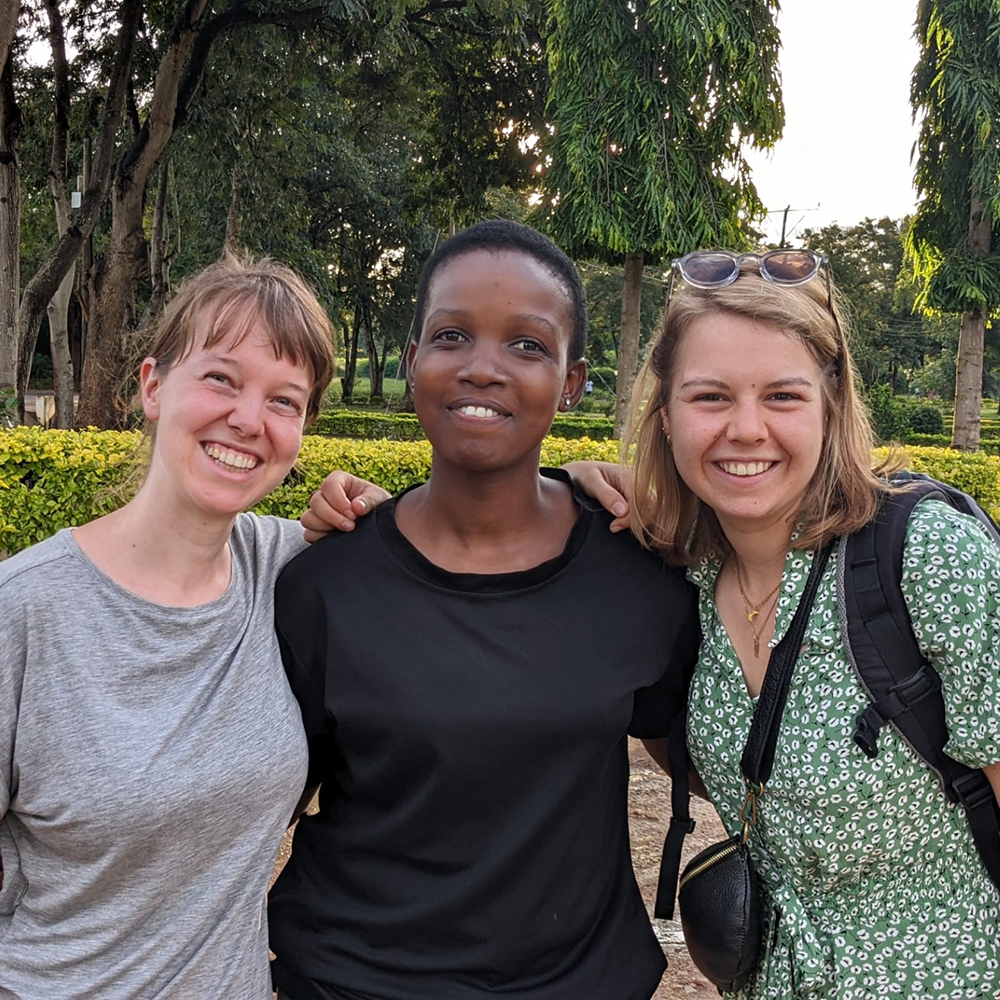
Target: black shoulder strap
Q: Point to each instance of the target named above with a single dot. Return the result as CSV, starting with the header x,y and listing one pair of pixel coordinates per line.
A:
x,y
904,688
758,754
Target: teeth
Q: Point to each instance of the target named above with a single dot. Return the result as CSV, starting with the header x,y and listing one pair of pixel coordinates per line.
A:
x,y
745,468
231,458
478,411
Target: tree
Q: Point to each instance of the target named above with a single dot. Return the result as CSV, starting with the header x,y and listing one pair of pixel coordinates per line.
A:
x,y
953,245
890,339
651,106
10,212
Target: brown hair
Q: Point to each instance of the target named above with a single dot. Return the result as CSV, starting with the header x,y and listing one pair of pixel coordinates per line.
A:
x,y
228,297
844,491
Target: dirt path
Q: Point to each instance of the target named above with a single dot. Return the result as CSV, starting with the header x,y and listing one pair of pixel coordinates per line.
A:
x,y
649,815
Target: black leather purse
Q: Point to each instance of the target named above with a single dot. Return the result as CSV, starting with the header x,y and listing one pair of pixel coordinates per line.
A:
x,y
719,897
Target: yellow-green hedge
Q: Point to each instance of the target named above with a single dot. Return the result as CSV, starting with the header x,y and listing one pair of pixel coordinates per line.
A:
x,y
53,479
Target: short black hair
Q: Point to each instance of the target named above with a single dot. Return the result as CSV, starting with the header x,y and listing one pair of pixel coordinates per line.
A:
x,y
497,236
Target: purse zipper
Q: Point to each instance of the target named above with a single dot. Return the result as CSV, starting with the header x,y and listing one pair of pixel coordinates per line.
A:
x,y
708,862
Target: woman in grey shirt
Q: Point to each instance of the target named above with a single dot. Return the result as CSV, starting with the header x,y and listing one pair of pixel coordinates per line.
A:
x,y
151,753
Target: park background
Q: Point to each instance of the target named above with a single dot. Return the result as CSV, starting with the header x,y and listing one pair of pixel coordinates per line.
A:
x,y
140,139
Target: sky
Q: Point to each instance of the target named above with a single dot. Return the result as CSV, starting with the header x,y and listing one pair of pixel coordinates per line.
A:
x,y
845,154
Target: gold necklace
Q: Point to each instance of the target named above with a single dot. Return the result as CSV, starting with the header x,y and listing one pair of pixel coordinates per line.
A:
x,y
753,610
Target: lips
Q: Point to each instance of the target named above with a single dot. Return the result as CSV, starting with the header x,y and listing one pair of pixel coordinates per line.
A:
x,y
231,458
479,409
745,468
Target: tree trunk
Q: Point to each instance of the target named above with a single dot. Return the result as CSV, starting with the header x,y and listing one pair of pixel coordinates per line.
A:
x,y
376,369
58,313
969,381
159,259
628,347
969,367
351,359
11,407
109,362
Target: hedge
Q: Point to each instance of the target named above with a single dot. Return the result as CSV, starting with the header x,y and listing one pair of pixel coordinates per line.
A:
x,y
54,479
405,426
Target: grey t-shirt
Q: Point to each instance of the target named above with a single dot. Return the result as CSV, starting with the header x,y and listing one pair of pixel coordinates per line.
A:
x,y
150,758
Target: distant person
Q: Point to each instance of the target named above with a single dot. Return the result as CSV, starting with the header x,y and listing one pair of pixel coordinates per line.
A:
x,y
469,661
151,752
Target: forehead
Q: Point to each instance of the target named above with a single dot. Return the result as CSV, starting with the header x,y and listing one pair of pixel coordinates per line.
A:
x,y
506,276
729,340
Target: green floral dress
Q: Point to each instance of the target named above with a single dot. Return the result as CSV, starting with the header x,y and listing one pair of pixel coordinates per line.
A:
x,y
874,886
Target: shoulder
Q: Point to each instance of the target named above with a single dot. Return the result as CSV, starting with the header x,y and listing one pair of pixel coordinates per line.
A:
x,y
267,543
630,567
338,549
35,566
936,531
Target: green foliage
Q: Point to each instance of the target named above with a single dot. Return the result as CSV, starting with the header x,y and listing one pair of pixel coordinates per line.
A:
x,y
975,473
923,419
888,417
890,342
652,104
406,427
55,479
956,94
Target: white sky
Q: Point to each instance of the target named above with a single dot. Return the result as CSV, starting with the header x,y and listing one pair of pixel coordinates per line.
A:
x,y
845,153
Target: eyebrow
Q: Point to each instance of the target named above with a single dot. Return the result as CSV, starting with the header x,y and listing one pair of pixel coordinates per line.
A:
x,y
519,318
222,359
781,383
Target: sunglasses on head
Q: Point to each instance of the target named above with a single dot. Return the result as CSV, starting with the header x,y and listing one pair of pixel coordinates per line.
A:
x,y
715,268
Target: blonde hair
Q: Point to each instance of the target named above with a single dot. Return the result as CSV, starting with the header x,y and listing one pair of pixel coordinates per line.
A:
x,y
227,298
843,493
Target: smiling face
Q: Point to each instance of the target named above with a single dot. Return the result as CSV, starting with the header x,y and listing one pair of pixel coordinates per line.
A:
x,y
491,366
228,423
746,417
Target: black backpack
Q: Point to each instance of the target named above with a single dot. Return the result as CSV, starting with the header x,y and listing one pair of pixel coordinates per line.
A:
x,y
904,688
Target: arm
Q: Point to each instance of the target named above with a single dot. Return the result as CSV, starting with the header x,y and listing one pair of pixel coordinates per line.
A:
x,y
992,771
658,750
338,503
610,485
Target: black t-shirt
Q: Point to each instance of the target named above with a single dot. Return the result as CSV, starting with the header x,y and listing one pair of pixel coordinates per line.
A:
x,y
469,732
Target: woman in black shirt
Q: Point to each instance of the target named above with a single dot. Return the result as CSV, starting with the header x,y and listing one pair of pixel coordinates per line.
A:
x,y
469,662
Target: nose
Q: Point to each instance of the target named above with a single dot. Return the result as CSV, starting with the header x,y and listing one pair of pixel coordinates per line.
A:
x,y
246,417
747,423
483,364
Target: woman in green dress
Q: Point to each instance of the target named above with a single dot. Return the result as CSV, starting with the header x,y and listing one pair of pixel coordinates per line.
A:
x,y
752,452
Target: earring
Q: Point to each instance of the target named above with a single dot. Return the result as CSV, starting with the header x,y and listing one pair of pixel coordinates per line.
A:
x,y
568,401
670,442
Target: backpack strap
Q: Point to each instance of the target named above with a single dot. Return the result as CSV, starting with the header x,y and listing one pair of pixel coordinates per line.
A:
x,y
681,823
905,690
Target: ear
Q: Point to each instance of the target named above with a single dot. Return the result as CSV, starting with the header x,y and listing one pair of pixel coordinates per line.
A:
x,y
411,357
150,384
665,421
576,379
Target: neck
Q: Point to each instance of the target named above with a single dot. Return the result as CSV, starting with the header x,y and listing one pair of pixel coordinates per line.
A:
x,y
489,505
159,552
760,556
488,523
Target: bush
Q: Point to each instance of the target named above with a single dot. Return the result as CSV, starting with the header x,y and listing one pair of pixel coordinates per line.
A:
x,y
406,427
55,479
976,473
888,416
924,419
